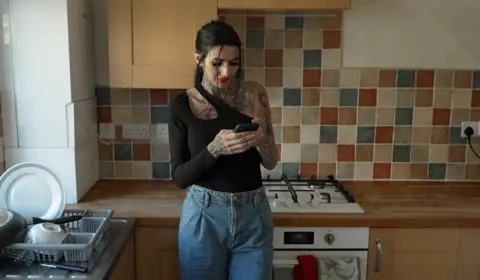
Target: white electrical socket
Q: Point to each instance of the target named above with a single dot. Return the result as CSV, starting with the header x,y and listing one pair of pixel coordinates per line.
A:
x,y
136,131
473,125
162,133
106,131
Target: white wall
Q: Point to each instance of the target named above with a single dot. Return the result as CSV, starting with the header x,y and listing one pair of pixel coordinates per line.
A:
x,y
440,34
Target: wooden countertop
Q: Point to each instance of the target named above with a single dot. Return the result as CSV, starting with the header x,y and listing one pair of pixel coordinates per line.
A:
x,y
386,204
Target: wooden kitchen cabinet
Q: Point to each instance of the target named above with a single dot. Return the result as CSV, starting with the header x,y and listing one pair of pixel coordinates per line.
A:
x,y
284,4
156,251
125,267
151,43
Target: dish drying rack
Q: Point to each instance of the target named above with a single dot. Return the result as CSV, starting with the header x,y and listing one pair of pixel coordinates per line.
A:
x,y
81,240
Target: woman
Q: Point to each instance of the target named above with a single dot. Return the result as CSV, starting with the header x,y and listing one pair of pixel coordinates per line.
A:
x,y
226,227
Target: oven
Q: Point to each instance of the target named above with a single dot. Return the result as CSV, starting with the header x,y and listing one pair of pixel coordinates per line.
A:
x,y
348,244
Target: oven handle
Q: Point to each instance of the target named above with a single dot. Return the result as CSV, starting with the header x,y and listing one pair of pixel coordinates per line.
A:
x,y
379,255
284,263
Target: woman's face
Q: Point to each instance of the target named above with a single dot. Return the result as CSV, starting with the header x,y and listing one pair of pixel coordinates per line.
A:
x,y
220,65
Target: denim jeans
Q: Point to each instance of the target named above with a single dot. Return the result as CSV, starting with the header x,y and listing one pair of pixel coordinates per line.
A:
x,y
225,235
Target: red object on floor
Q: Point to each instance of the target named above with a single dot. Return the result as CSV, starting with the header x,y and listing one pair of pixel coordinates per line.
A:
x,y
306,269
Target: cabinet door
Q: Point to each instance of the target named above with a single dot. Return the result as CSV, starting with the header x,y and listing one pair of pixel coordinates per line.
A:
x,y
284,4
125,267
380,254
164,40
156,253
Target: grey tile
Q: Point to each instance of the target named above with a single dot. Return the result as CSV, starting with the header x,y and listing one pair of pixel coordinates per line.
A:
x,y
159,114
365,134
348,97
404,116
406,78
312,58
255,39
103,96
277,131
160,152
292,97
292,22
401,153
437,171
476,80
291,169
455,135
160,170
328,134
122,151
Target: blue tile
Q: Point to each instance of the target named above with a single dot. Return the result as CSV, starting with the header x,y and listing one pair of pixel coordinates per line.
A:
x,y
255,39
291,169
293,22
312,58
348,97
406,78
404,116
292,97
328,134
437,171
455,135
160,114
122,151
160,170
401,153
103,96
476,80
365,134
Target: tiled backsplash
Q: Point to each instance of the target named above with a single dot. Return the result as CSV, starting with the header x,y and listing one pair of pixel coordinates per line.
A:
x,y
363,124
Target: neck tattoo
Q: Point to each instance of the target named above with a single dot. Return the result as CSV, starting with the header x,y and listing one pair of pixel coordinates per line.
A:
x,y
227,94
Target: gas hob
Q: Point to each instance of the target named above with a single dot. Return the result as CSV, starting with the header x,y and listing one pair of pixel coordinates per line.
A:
x,y
314,195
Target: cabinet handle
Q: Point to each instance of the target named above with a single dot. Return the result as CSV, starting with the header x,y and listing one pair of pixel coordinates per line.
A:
x,y
379,255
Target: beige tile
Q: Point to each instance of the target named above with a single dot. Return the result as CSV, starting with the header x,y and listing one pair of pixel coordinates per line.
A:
x,y
140,114
310,115
455,171
347,134
459,115
329,97
330,78
462,98
422,116
331,59
121,114
364,153
310,97
309,153
120,96
123,169
309,134
382,153
160,151
313,22
142,169
421,135
291,134
442,98
275,96
292,115
292,78
274,39
402,135
443,78
106,170
277,131
366,115
400,171
274,22
471,157
345,171
369,77
363,171
140,97
349,78
438,153
325,169
405,97
255,74
291,152
237,21
385,116
312,39
254,58
327,153
386,97
292,58
420,153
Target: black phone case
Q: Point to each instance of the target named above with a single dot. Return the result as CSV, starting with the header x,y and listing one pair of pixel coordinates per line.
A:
x,y
246,127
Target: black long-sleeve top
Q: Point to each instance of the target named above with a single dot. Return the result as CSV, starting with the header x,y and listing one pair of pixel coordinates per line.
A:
x,y
191,162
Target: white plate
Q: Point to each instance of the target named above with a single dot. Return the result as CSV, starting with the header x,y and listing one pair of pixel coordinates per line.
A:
x,y
32,190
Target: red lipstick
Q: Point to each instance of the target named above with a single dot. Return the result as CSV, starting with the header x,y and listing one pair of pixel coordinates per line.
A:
x,y
223,80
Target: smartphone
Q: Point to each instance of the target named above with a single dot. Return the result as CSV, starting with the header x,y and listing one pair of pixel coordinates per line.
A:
x,y
246,127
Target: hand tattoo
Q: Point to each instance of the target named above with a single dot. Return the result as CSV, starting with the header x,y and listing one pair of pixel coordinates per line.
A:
x,y
218,147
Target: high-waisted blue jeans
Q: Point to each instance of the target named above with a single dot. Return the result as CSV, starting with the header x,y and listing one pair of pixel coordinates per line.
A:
x,y
225,236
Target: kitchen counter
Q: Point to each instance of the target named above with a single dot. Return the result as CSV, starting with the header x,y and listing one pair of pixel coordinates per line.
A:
x,y
386,204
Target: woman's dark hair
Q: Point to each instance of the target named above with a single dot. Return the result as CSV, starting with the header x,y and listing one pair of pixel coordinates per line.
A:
x,y
213,34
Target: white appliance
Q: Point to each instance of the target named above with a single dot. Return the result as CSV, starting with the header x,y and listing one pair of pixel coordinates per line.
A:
x,y
295,195
289,243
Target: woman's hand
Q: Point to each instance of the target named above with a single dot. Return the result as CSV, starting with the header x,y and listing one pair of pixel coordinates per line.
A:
x,y
228,142
258,135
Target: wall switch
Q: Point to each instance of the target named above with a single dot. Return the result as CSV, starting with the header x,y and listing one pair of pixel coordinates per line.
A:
x,y
136,131
473,125
162,133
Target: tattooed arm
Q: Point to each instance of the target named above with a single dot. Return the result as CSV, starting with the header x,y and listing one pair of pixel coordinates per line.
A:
x,y
261,110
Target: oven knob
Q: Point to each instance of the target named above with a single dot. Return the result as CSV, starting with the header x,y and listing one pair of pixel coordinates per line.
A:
x,y
289,202
316,202
329,238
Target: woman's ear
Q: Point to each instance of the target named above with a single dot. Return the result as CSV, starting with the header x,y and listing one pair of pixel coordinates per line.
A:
x,y
197,59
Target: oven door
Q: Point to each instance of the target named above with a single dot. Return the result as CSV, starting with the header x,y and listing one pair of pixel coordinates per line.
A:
x,y
285,261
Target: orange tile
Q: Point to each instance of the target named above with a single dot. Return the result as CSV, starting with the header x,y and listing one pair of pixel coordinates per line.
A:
x,y
119,134
346,153
425,78
159,97
441,116
104,114
475,98
332,39
381,170
255,22
311,77
274,58
329,116
308,170
383,134
367,97
141,151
